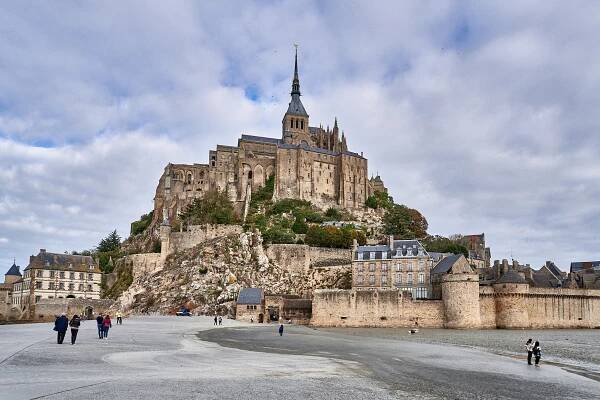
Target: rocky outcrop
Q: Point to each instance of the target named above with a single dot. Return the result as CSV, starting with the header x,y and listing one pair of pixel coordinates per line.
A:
x,y
207,277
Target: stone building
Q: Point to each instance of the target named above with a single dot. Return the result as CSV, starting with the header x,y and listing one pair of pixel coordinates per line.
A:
x,y
250,305
307,162
402,264
56,276
479,254
10,277
585,274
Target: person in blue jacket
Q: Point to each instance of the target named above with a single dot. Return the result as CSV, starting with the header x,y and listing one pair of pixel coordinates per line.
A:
x,y
60,326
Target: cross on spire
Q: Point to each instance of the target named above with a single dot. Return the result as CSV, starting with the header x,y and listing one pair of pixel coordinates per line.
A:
x,y
296,81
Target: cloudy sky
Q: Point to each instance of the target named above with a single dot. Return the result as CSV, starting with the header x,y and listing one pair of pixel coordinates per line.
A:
x,y
482,115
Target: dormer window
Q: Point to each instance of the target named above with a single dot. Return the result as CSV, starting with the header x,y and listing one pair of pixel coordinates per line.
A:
x,y
384,254
360,255
372,255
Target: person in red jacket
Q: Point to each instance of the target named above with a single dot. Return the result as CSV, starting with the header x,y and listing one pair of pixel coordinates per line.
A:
x,y
106,325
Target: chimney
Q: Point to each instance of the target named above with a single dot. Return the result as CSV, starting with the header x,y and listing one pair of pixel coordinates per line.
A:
x,y
391,242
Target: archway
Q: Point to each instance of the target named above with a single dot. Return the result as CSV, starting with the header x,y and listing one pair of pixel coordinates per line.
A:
x,y
260,318
259,177
70,296
89,312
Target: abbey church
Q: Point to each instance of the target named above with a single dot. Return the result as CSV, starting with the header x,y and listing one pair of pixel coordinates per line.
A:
x,y
308,163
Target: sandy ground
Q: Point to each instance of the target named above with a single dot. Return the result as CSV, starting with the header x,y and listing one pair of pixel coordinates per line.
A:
x,y
186,358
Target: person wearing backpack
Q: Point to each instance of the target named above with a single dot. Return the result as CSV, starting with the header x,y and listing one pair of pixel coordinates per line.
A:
x,y
100,323
60,326
529,348
74,324
537,352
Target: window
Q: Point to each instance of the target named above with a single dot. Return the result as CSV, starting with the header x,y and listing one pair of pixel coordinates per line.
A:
x,y
409,279
360,279
421,278
372,279
398,278
421,265
359,268
38,285
91,268
384,255
61,286
90,288
71,286
81,275
72,275
51,286
39,273
360,255
372,267
371,254
52,274
302,124
384,279
384,267
398,268
62,274
38,298
90,277
81,287
409,266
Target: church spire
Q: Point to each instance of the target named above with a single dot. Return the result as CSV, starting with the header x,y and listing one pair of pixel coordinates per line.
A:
x,y
296,81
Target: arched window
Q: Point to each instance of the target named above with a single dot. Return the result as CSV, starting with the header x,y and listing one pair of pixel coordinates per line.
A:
x,y
201,174
296,123
291,122
189,179
302,124
249,174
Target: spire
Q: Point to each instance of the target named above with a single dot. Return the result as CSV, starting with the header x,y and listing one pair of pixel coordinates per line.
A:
x,y
335,124
296,81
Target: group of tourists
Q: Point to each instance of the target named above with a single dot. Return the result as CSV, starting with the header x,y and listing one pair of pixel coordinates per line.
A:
x,y
62,324
533,350
218,320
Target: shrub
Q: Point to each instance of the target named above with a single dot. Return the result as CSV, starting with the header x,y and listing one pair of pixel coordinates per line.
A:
x,y
404,222
379,200
140,225
299,226
214,208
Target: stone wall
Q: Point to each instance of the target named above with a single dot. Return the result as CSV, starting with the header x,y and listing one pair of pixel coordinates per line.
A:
x,y
489,307
301,258
48,309
145,263
374,308
197,234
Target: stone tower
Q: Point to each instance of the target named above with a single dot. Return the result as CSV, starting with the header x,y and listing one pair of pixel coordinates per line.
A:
x,y
509,293
460,294
13,274
294,125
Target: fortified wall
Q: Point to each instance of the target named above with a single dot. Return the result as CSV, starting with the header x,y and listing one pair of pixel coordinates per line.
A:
x,y
301,258
464,305
48,309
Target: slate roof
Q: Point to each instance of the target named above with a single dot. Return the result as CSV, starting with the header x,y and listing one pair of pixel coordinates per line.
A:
x,y
401,248
14,270
585,265
296,107
261,139
511,277
445,264
250,296
62,262
554,269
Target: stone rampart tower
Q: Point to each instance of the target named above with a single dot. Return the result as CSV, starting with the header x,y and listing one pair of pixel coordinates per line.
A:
x,y
460,294
510,293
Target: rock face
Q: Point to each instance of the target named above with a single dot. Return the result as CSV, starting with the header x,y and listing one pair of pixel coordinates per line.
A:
x,y
207,278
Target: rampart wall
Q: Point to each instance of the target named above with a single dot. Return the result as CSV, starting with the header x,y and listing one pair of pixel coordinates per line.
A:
x,y
374,308
48,309
507,308
300,258
197,234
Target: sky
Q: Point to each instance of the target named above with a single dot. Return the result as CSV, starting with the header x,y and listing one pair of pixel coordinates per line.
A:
x,y
482,115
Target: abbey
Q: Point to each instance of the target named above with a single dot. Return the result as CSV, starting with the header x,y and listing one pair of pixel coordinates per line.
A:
x,y
307,162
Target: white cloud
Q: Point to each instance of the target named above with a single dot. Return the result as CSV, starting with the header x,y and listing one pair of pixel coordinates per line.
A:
x,y
481,115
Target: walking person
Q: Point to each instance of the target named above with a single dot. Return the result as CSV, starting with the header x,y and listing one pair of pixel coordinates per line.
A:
x,y
220,320
100,323
529,348
106,325
60,326
216,320
74,324
119,318
537,352
280,329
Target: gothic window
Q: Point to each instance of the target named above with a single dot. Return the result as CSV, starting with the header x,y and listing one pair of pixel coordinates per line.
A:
x,y
249,174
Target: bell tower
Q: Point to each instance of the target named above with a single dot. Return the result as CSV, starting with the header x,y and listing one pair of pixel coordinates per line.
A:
x,y
295,121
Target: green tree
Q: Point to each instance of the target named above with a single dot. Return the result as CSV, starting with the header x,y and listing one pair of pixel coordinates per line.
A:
x,y
140,225
110,243
443,244
214,208
299,226
404,222
379,200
